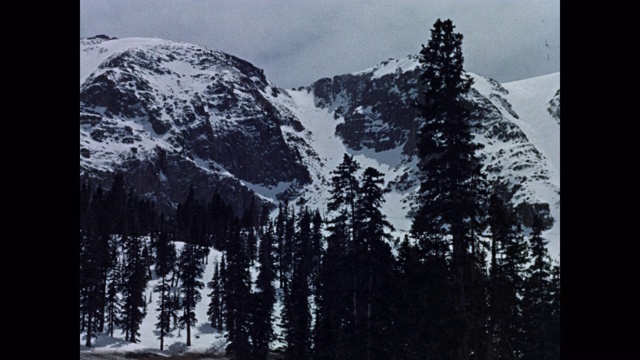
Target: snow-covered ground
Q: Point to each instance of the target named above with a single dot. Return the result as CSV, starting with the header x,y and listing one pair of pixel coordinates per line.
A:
x,y
204,339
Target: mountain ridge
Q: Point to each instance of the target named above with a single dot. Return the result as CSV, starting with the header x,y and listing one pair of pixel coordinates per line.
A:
x,y
196,115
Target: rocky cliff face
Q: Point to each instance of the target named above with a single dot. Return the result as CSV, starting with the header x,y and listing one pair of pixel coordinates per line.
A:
x,y
377,105
169,114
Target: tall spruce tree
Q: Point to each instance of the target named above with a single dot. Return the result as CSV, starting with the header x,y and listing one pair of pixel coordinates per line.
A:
x,y
279,234
288,245
265,298
508,261
374,269
237,293
90,272
134,284
418,317
164,265
336,289
112,300
215,308
317,249
553,346
222,315
538,307
296,314
191,271
451,182
190,229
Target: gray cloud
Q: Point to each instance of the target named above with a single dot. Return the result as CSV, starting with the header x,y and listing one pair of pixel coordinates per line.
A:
x,y
298,42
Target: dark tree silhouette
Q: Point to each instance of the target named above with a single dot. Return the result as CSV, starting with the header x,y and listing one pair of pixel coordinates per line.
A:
x,y
451,182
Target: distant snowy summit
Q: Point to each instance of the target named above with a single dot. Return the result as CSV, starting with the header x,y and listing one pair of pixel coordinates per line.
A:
x,y
169,114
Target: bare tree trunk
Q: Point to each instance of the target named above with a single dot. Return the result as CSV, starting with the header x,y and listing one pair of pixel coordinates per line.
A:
x,y
492,295
89,330
459,295
369,315
102,300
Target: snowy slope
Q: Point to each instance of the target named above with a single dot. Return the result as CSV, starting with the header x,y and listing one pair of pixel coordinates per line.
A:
x,y
320,134
526,106
532,97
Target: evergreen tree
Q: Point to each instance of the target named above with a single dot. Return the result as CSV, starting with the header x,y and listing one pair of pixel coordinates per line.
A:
x,y
90,273
508,260
288,245
116,207
217,221
336,301
451,182
215,306
165,263
317,249
262,329
415,318
249,220
223,285
296,316
280,257
302,243
374,268
538,307
106,242
344,191
553,347
133,288
190,228
112,300
237,294
191,271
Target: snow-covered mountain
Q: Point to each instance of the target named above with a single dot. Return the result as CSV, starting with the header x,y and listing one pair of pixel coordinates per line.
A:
x,y
169,114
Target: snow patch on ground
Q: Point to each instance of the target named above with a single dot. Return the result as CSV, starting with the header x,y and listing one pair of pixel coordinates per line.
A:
x,y
204,338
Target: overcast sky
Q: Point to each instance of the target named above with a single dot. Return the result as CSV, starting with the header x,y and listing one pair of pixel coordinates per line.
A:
x,y
299,41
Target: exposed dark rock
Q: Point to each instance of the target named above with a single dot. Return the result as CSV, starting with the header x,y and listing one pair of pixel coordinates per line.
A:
x,y
505,104
102,37
554,106
377,112
90,119
527,212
